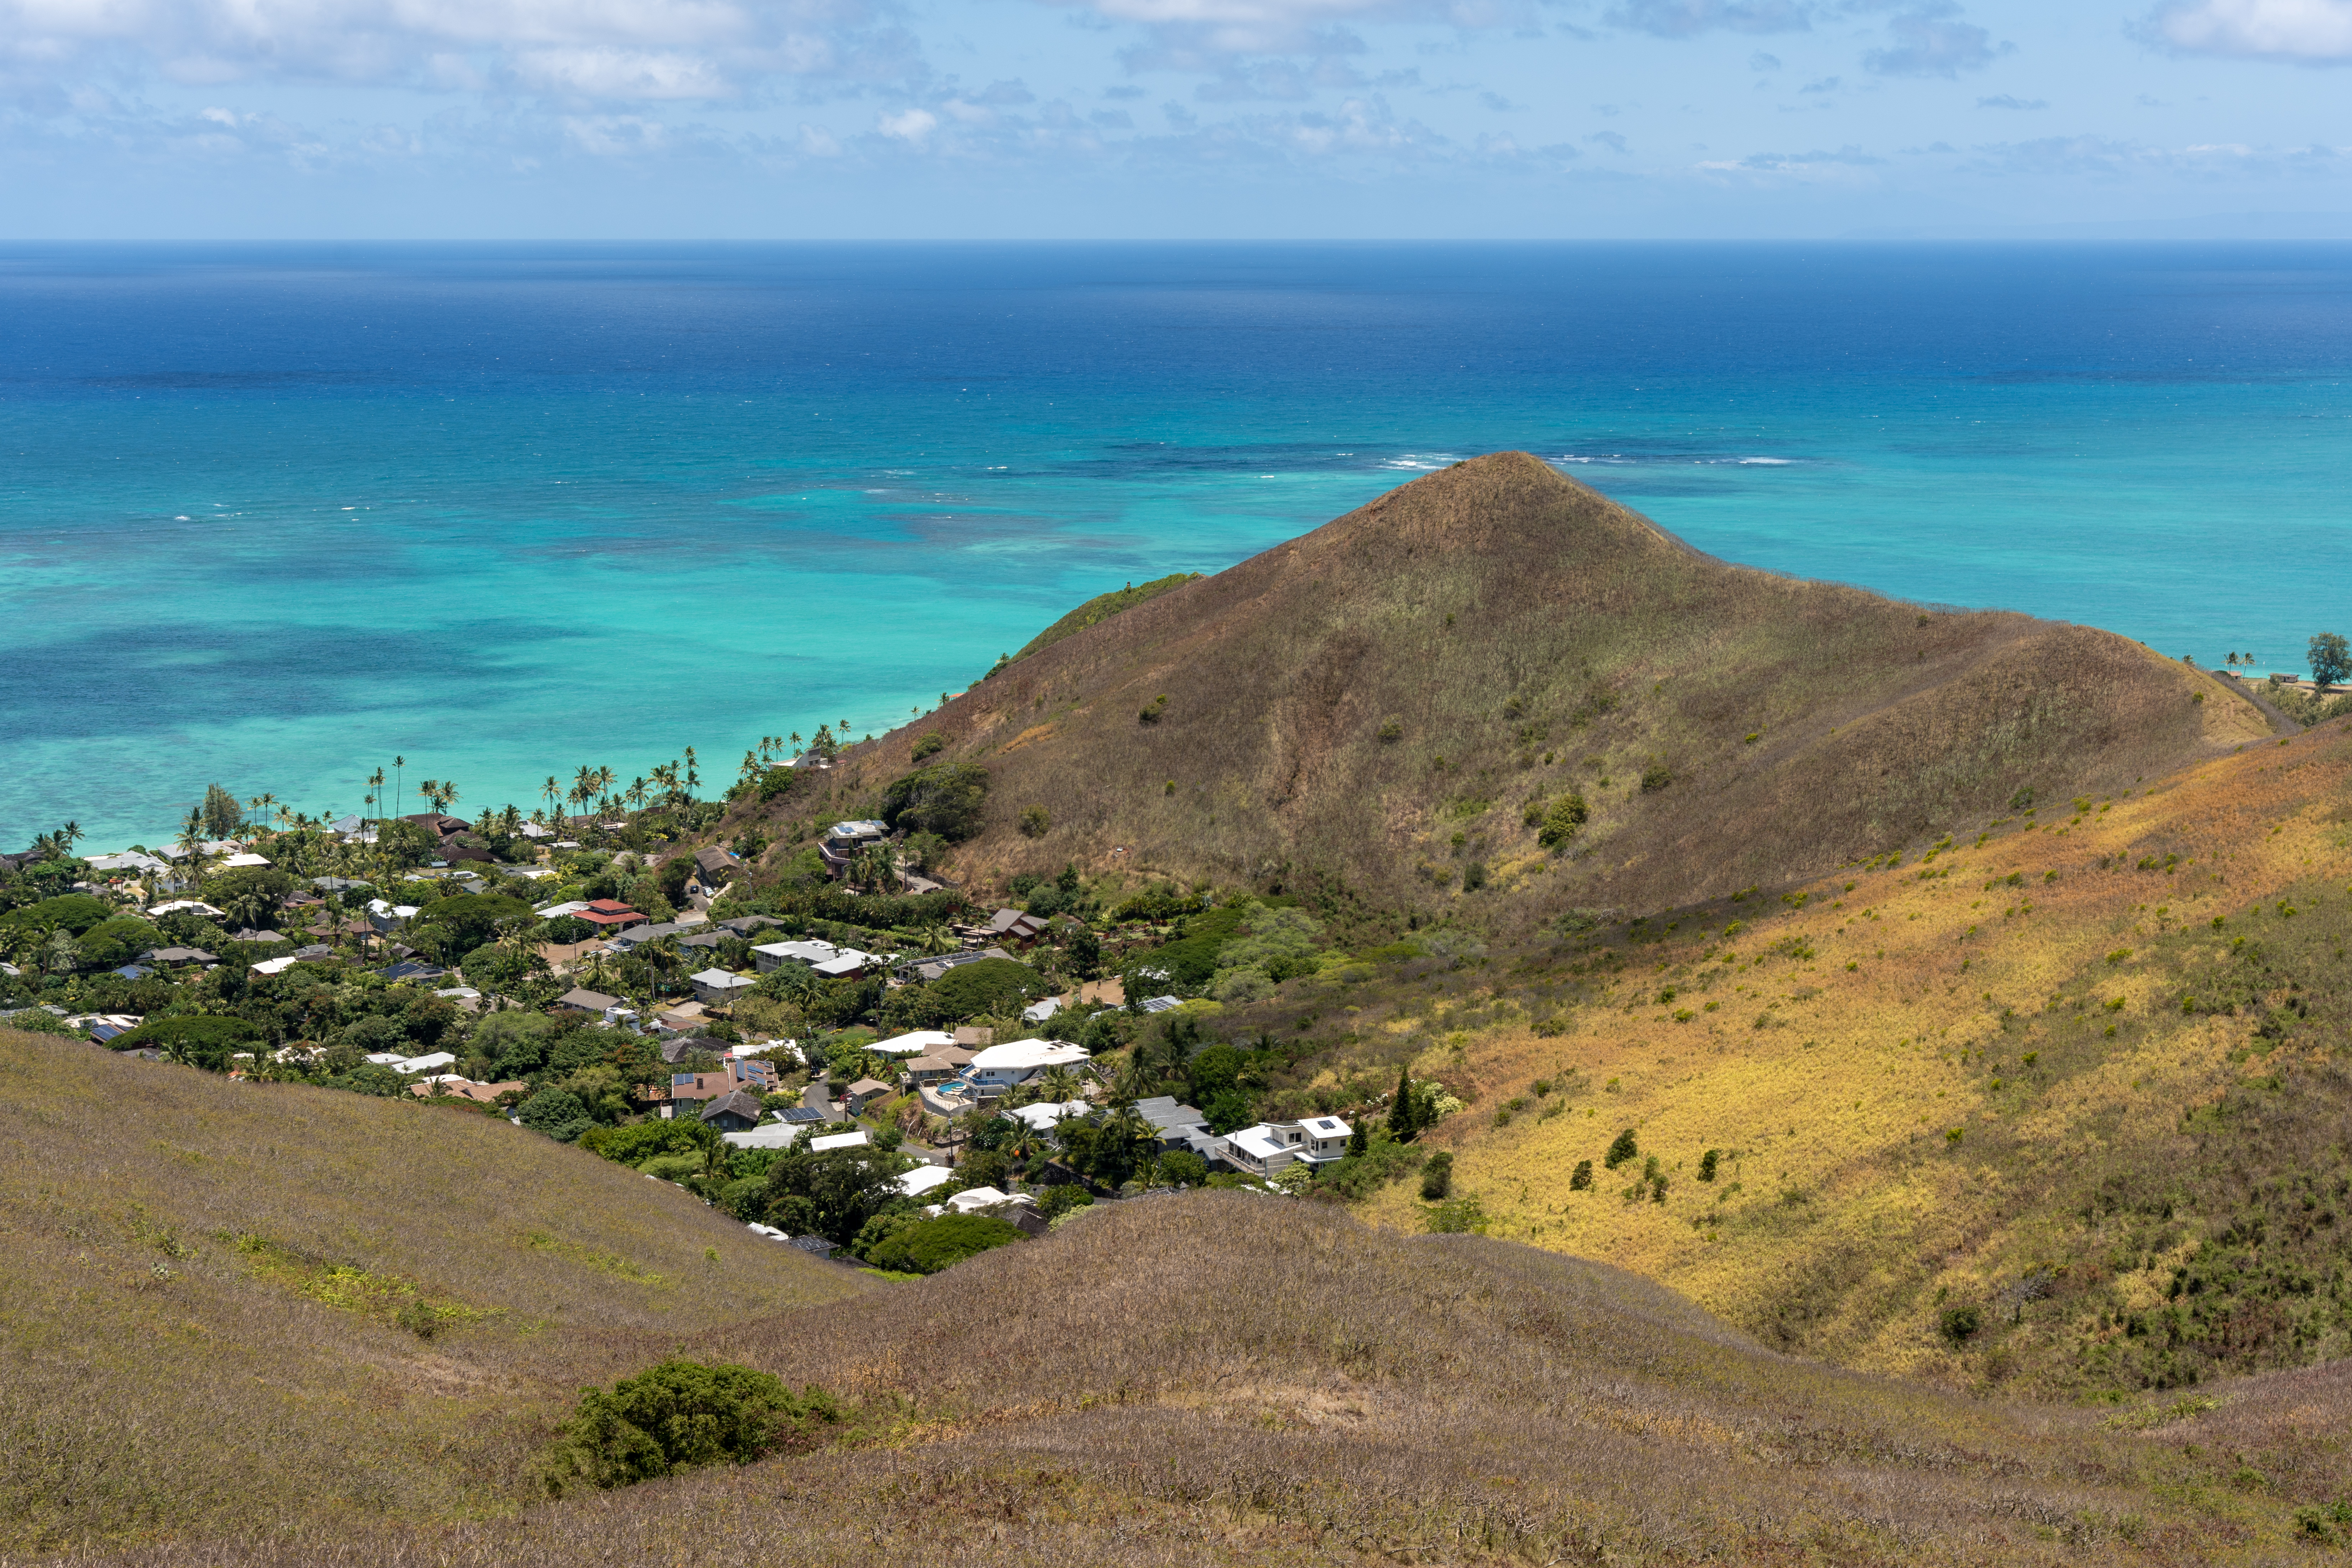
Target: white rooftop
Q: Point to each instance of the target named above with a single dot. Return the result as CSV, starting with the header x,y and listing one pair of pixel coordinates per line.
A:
x,y
849,960
1042,1116
557,911
1325,1127
276,965
239,862
420,1064
1023,1053
718,977
1259,1141
920,1043
192,906
923,1178
857,1139
808,952
973,1198
767,1135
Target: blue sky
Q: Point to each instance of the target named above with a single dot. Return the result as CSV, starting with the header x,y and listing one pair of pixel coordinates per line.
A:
x,y
803,119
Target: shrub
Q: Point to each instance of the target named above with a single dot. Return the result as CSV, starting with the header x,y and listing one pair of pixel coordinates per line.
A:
x,y
1059,1201
929,746
1183,1168
1474,875
678,1416
1625,1148
1034,822
1707,1164
76,912
1391,732
633,1145
1150,715
1655,778
556,1112
1437,1178
1561,820
199,1042
950,799
111,943
1959,1324
932,1245
1457,1216
971,990
1581,1181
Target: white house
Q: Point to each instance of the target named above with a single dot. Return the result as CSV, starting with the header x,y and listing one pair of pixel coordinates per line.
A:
x,y
846,964
186,906
389,916
557,911
276,965
1046,1114
128,860
1263,1150
715,987
774,955
420,1064
999,1067
1039,1012
826,1145
974,1200
921,1043
767,1135
242,862
923,1178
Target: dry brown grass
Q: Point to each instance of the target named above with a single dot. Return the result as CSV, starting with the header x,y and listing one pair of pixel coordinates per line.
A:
x,y
204,1284
1499,612
1220,1378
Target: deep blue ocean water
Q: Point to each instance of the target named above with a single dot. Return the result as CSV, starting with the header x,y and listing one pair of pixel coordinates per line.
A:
x,y
271,516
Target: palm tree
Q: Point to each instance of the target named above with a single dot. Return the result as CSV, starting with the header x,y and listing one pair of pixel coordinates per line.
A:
x,y
583,785
693,779
552,792
376,788
64,952
1059,1085
636,793
397,764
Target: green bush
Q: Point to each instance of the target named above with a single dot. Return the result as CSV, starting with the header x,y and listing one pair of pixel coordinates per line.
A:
x,y
950,799
111,943
206,1043
1036,822
76,912
40,1021
932,1244
678,1416
452,928
1655,778
1621,1150
557,1112
635,1144
929,746
1059,1201
1437,1178
1581,1180
1183,1168
1707,1164
1561,819
973,990
1961,1324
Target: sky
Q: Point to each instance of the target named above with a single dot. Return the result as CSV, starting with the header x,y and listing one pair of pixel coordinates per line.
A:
x,y
423,120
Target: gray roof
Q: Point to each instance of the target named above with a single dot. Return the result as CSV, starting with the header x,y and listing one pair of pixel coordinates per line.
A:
x,y
1161,1003
742,1102
1163,1112
591,1001
744,925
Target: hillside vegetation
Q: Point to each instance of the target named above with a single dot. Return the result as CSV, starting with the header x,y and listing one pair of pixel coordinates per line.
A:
x,y
2085,1079
1222,1378
1403,701
1102,608
225,1303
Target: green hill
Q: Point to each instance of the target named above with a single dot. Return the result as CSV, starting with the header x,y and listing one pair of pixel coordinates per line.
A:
x,y
1399,699
229,1305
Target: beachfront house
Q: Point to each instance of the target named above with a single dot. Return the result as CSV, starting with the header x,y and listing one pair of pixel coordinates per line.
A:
x,y
999,1067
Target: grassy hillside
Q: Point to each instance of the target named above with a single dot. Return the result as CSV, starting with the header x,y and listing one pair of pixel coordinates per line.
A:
x,y
1102,608
2088,1077
1395,699
229,1303
1225,1379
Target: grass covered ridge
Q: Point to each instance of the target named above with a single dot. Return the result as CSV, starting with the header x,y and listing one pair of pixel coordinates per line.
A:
x,y
1102,608
1220,1378
2030,1077
229,1303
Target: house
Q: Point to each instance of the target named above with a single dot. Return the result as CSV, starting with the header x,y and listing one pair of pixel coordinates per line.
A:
x,y
337,885
978,1200
558,912
921,1042
704,941
411,969
1175,1123
999,1067
1040,1012
846,964
914,1183
974,1037
242,862
717,988
1263,1150
736,1112
609,915
104,1027
1046,1114
684,1019
943,1063
186,907
772,956
635,937
715,868
1161,1003
1016,926
831,1141
863,1093
409,1066
276,965
926,970
128,860
744,925
178,955
385,916
462,1089
843,840
251,934
676,1050
587,1001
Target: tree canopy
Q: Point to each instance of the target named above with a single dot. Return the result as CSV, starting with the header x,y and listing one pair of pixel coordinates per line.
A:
x,y
950,799
929,1246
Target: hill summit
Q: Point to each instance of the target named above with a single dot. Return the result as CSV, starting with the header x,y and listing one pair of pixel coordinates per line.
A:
x,y
1422,697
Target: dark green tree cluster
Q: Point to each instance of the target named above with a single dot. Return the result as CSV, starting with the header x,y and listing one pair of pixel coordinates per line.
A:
x,y
680,1415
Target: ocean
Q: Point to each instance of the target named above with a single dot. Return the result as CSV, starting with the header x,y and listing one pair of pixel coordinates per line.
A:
x,y
273,516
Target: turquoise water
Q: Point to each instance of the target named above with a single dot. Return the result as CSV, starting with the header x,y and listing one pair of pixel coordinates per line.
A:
x,y
273,516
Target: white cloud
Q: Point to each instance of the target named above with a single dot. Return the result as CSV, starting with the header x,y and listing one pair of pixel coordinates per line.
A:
x,y
1926,44
1688,19
612,49
910,127
2311,30
1201,35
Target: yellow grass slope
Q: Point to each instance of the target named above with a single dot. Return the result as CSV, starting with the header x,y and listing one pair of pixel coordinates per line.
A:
x,y
225,1303
1999,1076
1380,700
